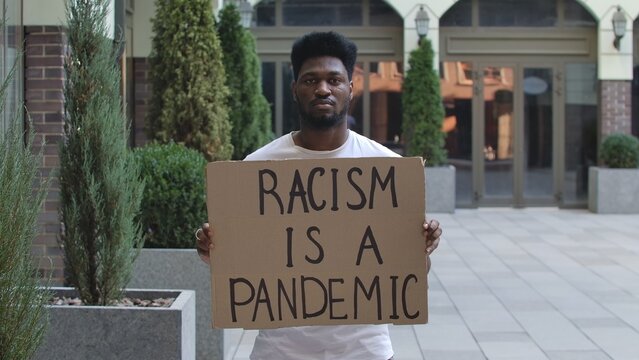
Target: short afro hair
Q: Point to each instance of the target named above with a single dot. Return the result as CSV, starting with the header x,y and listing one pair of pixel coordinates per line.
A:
x,y
318,44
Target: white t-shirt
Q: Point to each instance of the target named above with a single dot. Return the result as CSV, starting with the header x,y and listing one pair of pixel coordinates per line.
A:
x,y
345,342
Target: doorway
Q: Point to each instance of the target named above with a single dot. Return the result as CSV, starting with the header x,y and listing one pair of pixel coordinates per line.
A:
x,y
502,121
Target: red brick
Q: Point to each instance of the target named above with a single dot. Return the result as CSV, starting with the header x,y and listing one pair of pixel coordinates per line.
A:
x,y
34,95
53,49
51,161
44,38
44,61
55,73
45,239
54,95
53,138
33,73
55,117
33,29
44,84
49,128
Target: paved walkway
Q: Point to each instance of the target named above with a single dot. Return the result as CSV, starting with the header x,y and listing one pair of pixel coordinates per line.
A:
x,y
523,284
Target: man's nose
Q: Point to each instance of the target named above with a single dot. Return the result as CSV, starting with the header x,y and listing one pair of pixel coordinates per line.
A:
x,y
322,89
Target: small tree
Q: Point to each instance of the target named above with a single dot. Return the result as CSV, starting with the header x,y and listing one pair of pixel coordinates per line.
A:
x,y
423,112
100,190
188,98
23,316
250,113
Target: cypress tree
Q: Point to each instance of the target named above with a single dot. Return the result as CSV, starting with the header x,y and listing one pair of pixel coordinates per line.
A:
x,y
100,187
23,315
423,112
188,99
249,111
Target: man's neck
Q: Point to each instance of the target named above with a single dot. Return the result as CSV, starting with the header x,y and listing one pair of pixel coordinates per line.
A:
x,y
321,140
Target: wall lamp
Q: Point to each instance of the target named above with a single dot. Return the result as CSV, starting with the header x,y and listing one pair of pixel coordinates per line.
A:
x,y
619,26
421,23
246,13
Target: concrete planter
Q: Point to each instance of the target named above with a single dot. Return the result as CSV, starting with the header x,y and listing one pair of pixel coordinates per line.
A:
x,y
440,189
613,191
182,268
111,332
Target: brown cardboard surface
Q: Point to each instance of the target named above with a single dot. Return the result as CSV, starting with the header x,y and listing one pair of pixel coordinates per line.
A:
x,y
317,242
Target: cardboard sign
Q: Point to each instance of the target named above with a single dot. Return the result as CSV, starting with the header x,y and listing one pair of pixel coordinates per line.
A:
x,y
317,242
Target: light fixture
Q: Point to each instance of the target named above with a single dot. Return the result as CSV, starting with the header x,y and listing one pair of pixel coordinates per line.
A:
x,y
619,26
246,13
421,23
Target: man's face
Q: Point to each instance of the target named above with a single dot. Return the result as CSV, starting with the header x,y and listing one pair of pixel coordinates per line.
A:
x,y
323,92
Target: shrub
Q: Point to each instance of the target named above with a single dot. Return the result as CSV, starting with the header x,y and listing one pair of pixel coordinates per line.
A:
x,y
23,315
100,190
250,113
423,112
620,151
188,98
174,201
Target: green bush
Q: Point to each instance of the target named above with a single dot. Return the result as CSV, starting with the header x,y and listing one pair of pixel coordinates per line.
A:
x,y
620,151
250,112
188,101
423,112
174,201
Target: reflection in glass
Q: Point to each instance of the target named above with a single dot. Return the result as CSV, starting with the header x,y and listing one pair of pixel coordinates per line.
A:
x,y
356,110
459,14
385,85
538,90
322,13
457,93
382,14
580,130
290,119
268,89
498,132
635,101
264,14
577,15
517,13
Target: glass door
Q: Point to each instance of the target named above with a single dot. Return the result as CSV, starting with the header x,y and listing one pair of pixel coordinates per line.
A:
x,y
517,135
495,148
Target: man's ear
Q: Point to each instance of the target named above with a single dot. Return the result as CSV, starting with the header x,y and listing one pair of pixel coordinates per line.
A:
x,y
350,96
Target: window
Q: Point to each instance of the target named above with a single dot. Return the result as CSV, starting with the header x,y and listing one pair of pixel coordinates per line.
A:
x,y
321,13
10,47
460,14
575,15
534,13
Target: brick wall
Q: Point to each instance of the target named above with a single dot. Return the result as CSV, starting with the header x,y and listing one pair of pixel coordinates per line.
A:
x,y
616,107
44,81
141,94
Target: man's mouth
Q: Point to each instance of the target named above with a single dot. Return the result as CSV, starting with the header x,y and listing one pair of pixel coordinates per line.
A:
x,y
322,103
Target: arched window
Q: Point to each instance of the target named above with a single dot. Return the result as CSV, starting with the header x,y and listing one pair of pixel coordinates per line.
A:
x,y
635,80
517,13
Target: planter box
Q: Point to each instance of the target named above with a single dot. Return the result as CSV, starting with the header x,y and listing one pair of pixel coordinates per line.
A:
x,y
440,189
613,191
182,269
111,332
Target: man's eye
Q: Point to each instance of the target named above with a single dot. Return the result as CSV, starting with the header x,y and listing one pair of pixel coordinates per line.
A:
x,y
309,81
335,81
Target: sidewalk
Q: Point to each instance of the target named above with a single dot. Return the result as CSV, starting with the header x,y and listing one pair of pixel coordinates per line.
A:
x,y
523,284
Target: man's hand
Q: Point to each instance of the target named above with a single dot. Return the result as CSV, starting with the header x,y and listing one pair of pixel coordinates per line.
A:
x,y
204,244
432,232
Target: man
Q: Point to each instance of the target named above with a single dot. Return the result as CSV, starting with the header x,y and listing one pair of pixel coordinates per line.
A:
x,y
323,89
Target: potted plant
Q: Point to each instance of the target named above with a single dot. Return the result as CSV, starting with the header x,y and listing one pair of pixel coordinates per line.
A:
x,y
615,188
100,193
423,114
173,205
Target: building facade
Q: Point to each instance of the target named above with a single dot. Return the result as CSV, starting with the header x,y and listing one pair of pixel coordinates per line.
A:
x,y
530,87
